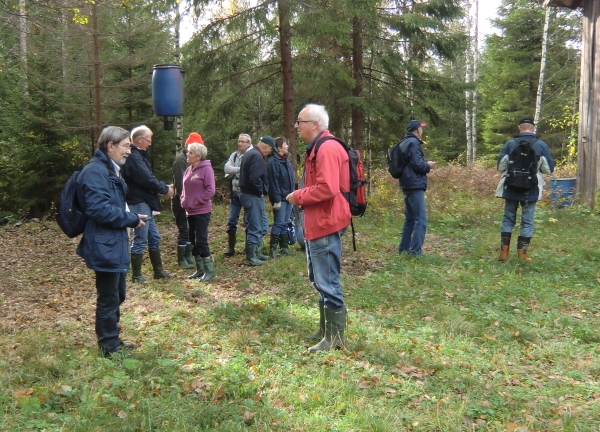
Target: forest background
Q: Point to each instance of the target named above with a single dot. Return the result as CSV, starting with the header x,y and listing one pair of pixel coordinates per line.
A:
x,y
70,68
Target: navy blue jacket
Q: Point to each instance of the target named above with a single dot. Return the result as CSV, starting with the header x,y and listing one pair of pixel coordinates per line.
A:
x,y
143,186
281,177
253,173
545,165
414,176
101,193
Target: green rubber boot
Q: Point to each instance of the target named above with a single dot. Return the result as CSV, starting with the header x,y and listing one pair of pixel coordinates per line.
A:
x,y
188,255
231,245
335,324
251,255
209,269
156,261
274,245
136,269
199,268
259,253
316,337
285,245
181,258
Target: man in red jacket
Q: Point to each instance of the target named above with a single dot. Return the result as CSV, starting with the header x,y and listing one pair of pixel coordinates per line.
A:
x,y
326,217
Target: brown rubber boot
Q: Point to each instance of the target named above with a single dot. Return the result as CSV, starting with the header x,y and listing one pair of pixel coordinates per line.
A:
x,y
522,247
504,246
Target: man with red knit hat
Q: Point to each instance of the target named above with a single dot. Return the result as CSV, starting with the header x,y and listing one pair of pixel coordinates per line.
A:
x,y
184,246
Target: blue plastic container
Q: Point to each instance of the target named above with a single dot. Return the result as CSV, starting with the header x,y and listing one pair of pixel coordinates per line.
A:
x,y
167,90
562,191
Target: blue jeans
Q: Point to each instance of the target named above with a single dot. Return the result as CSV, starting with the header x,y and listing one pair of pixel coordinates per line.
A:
x,y
198,229
110,291
324,260
415,222
281,218
148,234
510,216
235,207
255,217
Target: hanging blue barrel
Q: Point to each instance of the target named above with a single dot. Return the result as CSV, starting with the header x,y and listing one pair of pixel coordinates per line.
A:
x,y
562,191
167,90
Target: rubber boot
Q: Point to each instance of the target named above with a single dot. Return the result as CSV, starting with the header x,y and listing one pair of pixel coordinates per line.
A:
x,y
136,269
259,253
199,268
284,244
335,324
251,255
181,258
316,337
504,246
209,269
231,250
522,247
274,245
188,255
156,261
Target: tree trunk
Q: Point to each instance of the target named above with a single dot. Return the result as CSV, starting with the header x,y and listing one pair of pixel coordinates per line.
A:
x,y
589,106
475,79
23,44
287,78
358,115
96,60
540,90
468,94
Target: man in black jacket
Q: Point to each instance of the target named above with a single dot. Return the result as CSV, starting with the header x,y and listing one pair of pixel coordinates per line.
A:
x,y
413,183
253,188
142,197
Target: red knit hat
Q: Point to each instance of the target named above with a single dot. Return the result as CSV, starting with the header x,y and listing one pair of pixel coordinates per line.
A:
x,y
194,137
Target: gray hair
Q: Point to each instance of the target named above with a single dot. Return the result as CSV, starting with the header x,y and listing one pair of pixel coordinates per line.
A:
x,y
114,134
248,137
198,150
318,113
139,131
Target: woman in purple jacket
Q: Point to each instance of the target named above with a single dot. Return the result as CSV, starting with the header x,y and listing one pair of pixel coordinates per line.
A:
x,y
198,190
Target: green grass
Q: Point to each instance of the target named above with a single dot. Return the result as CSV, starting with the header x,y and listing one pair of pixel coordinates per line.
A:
x,y
454,341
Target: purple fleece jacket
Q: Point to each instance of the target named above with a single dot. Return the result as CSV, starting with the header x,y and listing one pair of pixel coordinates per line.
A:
x,y
198,188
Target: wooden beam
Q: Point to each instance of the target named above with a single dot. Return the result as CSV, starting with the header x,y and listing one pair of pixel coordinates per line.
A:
x,y
571,4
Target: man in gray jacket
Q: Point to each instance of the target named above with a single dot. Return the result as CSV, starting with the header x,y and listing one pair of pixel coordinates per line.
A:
x,y
232,171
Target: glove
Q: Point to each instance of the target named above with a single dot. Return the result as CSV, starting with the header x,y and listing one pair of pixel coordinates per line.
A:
x,y
277,206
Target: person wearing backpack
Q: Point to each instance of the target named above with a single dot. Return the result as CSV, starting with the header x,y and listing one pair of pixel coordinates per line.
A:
x,y
527,154
327,216
101,193
413,183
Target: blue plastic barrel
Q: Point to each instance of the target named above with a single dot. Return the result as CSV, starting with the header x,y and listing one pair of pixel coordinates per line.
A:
x,y
562,191
167,90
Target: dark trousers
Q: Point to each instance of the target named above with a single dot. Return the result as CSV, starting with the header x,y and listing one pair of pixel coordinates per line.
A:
x,y
110,289
181,221
198,229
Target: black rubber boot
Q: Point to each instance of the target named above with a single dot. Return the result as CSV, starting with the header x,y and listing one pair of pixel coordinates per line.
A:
x,y
188,255
156,261
136,269
181,258
209,269
259,253
316,337
335,324
251,255
284,244
199,268
231,249
274,245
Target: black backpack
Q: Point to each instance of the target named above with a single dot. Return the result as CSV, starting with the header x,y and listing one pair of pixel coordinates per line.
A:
x,y
356,196
70,216
396,160
521,173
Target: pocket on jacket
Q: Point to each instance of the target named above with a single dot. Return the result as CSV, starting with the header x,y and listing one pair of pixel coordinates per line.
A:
x,y
107,251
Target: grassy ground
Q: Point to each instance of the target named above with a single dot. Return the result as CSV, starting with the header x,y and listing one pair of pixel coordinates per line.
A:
x,y
454,341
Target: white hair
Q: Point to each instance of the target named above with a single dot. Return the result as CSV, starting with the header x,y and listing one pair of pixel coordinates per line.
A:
x,y
317,113
139,131
198,149
248,137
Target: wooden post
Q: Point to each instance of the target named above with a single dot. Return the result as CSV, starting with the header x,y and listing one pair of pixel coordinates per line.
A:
x,y
588,150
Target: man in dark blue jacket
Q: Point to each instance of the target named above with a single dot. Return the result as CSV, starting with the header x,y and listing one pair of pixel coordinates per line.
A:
x,y
101,191
142,197
413,183
254,185
513,198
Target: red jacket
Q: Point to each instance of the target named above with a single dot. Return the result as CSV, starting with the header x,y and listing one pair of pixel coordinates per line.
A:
x,y
325,209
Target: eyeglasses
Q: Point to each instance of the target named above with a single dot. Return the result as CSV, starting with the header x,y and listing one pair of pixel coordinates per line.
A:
x,y
302,121
243,142
146,139
126,146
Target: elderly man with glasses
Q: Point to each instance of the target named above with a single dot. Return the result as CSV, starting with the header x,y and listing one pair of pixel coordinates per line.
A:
x,y
232,172
142,197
